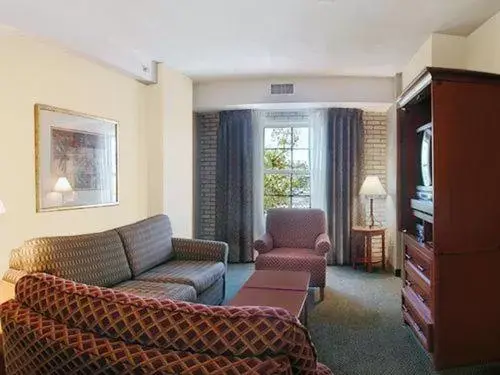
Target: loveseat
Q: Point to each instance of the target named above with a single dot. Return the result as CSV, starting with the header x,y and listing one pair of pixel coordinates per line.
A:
x,y
141,258
58,326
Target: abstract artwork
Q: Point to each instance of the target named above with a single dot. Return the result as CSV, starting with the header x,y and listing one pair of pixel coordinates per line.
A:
x,y
76,159
77,155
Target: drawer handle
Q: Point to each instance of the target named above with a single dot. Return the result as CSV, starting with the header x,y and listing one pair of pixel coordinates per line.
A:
x,y
420,268
422,299
407,256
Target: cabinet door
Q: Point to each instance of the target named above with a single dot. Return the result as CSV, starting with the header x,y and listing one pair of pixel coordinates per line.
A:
x,y
466,173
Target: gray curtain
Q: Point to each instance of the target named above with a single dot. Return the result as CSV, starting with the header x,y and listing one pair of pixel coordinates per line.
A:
x,y
234,184
344,168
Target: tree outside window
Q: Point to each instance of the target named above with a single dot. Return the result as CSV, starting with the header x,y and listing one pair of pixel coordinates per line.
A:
x,y
287,178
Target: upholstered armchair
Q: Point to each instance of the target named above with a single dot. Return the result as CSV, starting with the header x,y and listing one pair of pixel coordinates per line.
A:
x,y
295,240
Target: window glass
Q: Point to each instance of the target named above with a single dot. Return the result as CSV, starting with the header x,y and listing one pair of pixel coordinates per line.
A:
x,y
287,181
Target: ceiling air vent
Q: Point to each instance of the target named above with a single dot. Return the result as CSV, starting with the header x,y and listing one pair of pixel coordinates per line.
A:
x,y
282,89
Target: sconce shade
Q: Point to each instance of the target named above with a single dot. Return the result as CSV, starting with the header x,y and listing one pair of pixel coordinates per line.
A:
x,y
372,187
2,208
62,185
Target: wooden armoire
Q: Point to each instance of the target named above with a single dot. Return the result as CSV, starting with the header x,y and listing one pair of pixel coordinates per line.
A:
x,y
449,212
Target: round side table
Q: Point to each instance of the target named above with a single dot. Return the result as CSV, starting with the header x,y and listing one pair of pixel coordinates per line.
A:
x,y
364,236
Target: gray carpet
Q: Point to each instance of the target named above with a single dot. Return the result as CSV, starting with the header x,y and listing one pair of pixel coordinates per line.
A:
x,y
358,330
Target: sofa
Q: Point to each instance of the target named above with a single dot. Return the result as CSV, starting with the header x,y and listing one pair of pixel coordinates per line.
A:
x,y
59,326
141,258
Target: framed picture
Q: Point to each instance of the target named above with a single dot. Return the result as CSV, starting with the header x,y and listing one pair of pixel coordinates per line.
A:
x,y
76,160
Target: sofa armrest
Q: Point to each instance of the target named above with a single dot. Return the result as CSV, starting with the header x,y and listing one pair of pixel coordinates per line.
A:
x,y
322,244
264,244
191,249
8,283
12,275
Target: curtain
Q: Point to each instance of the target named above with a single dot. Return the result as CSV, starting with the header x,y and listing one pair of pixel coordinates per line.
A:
x,y
344,166
234,184
318,157
258,124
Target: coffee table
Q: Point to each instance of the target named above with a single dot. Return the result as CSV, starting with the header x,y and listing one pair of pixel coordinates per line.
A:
x,y
285,289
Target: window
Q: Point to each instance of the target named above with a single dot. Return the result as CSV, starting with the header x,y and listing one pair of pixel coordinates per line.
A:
x,y
287,177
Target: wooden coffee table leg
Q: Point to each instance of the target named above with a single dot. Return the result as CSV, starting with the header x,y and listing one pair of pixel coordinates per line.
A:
x,y
304,315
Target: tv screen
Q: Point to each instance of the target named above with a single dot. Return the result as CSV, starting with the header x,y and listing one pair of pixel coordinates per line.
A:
x,y
426,158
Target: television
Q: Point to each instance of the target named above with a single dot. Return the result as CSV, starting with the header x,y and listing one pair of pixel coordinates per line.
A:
x,y
424,186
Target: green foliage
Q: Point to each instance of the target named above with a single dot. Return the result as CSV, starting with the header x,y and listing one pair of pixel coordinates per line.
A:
x,y
278,188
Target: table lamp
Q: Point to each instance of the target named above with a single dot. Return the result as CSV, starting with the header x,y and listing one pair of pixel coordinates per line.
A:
x,y
372,187
62,186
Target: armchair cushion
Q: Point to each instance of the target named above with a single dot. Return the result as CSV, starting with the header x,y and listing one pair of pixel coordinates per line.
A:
x,y
189,249
292,259
322,245
264,244
199,274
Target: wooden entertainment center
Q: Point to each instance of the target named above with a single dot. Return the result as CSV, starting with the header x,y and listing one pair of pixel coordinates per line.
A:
x,y
451,217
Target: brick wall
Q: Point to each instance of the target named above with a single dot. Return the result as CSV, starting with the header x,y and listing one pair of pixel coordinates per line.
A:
x,y
206,156
375,163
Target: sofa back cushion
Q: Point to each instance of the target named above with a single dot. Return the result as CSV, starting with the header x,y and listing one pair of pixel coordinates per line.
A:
x,y
35,344
95,259
169,324
147,243
296,228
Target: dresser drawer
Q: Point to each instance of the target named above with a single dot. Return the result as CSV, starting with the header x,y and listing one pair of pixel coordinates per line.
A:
x,y
420,258
419,283
415,315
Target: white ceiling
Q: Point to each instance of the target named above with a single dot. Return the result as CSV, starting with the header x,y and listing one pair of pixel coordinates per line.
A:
x,y
221,38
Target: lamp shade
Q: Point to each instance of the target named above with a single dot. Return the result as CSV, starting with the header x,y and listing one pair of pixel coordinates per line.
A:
x,y
372,186
62,185
2,208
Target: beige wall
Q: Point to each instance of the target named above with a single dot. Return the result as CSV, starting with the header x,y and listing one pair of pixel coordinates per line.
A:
x,y
483,47
441,50
421,59
33,72
170,149
448,51
179,152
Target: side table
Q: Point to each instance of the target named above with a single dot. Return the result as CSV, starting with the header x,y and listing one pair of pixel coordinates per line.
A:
x,y
364,236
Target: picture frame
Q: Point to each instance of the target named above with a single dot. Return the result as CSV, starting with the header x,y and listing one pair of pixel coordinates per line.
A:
x,y
76,160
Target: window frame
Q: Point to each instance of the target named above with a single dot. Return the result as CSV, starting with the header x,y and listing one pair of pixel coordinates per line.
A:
x,y
287,124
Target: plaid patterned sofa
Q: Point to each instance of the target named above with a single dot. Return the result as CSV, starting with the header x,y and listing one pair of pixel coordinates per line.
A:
x,y
58,326
142,258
